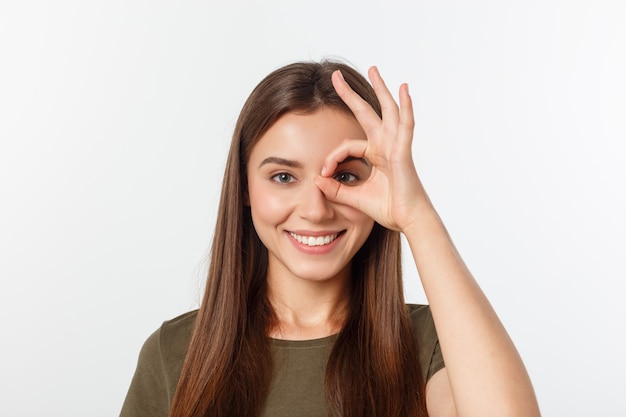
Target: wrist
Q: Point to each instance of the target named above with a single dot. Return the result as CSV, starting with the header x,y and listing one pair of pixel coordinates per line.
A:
x,y
424,220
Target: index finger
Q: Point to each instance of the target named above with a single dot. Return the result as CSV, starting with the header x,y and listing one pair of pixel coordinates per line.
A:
x,y
349,148
388,105
364,113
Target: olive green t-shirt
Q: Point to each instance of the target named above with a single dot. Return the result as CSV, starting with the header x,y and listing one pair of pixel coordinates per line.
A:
x,y
298,384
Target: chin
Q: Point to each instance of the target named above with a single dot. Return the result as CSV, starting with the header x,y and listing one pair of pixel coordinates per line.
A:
x,y
313,274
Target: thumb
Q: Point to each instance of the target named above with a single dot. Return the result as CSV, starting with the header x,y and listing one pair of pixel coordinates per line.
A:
x,y
337,192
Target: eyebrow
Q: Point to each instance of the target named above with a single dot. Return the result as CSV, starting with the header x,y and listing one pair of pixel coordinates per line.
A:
x,y
280,161
295,164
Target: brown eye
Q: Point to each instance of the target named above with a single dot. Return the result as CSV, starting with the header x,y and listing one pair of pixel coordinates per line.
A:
x,y
346,178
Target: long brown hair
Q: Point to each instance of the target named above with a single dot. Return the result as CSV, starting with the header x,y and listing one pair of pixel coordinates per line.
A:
x,y
373,369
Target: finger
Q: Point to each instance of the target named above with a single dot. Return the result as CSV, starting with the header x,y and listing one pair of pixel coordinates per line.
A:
x,y
365,115
407,118
338,192
355,148
388,105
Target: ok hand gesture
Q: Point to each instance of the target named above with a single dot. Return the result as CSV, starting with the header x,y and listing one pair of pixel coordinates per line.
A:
x,y
393,194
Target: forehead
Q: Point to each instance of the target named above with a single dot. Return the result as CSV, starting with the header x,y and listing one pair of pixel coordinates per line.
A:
x,y
307,135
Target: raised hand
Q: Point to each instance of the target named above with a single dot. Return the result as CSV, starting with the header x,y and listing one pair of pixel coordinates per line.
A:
x,y
393,194
474,343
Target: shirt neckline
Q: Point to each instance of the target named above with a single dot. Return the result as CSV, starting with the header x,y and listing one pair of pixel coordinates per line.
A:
x,y
309,343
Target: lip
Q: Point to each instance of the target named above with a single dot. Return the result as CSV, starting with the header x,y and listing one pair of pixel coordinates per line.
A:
x,y
315,250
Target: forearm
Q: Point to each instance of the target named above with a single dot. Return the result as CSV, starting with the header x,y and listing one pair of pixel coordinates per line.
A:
x,y
486,373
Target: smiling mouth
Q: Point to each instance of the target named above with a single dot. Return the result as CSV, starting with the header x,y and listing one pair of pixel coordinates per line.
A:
x,y
314,240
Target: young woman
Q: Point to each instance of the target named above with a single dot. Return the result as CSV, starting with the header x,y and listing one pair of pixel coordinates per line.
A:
x,y
303,313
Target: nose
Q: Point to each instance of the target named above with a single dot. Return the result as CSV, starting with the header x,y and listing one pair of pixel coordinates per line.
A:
x,y
314,206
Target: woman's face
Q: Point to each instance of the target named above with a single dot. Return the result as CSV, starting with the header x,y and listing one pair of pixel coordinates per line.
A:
x,y
307,236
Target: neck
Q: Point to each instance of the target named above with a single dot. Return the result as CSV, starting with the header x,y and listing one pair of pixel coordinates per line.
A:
x,y
308,309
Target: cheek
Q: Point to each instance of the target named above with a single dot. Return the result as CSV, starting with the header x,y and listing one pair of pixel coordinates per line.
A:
x,y
266,206
358,219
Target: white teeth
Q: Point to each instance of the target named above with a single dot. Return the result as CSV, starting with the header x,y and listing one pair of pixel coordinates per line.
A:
x,y
313,240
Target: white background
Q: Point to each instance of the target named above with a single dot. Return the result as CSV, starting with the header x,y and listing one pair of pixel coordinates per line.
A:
x,y
115,117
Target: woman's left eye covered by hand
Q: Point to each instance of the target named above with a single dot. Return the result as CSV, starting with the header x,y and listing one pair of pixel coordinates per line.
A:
x,y
346,178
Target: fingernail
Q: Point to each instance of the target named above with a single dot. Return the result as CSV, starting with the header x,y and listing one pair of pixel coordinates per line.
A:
x,y
340,75
323,171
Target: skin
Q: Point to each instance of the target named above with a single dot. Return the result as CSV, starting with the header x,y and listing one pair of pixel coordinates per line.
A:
x,y
484,375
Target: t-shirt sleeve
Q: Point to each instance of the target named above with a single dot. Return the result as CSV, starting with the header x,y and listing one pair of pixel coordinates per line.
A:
x,y
436,362
147,395
430,357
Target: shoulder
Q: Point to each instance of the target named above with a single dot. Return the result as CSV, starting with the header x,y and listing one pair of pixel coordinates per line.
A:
x,y
178,328
419,310
158,369
167,347
172,333
174,336
422,320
